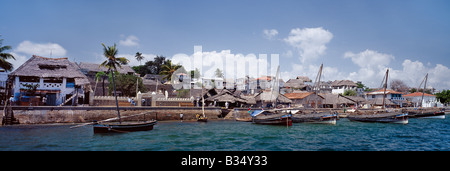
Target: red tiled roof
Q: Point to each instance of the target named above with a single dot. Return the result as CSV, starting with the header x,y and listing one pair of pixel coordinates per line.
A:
x,y
297,95
417,94
387,92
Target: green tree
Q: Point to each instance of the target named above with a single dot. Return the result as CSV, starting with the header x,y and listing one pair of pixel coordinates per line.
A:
x,y
219,73
156,66
195,73
139,57
101,75
127,84
444,96
350,93
5,56
112,63
168,69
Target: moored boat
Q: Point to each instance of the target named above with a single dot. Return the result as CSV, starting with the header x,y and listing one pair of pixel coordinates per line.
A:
x,y
426,114
399,118
123,127
323,118
271,118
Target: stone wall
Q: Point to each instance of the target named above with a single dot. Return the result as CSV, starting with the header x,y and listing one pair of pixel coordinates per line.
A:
x,y
80,116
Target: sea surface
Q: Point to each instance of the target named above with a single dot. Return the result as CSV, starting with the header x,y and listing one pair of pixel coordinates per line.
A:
x,y
418,135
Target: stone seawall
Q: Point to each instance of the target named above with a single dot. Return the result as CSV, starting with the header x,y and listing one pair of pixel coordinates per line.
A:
x,y
37,115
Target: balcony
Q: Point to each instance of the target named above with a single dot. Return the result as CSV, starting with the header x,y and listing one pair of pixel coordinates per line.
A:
x,y
45,86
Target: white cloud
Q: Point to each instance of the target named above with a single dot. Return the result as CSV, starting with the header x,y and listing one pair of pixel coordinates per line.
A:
x,y
328,73
310,42
131,40
20,59
369,58
269,34
373,65
26,49
41,49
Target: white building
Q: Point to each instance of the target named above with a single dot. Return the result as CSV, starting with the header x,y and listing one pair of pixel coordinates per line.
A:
x,y
56,79
429,100
340,86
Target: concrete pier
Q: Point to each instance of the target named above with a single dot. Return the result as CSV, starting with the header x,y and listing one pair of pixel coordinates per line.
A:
x,y
81,114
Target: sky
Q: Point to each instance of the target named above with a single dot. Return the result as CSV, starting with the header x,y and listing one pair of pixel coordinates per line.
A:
x,y
354,39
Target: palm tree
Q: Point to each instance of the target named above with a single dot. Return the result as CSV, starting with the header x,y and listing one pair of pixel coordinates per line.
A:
x,y
112,63
4,56
168,69
139,57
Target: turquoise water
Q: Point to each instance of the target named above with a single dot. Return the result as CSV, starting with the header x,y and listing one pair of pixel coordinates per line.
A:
x,y
418,135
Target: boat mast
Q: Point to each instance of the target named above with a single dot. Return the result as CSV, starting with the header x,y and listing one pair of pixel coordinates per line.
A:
x,y
203,103
115,94
385,86
277,86
317,84
423,91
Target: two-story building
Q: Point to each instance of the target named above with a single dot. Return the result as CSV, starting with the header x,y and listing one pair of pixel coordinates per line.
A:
x,y
340,86
48,81
392,98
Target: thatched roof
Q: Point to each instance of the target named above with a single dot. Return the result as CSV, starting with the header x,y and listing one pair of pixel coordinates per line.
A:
x,y
336,99
248,99
349,83
92,67
356,99
38,66
299,95
267,96
225,95
295,83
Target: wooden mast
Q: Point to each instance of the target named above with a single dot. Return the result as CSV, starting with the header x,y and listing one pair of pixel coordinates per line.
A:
x,y
316,87
385,86
423,91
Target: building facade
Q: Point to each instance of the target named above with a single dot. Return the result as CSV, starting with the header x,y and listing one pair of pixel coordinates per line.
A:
x,y
48,81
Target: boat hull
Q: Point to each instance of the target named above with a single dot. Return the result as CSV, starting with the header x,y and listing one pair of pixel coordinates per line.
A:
x,y
397,119
282,121
273,119
431,115
124,127
322,119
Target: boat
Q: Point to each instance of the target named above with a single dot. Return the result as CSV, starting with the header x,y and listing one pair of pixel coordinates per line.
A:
x,y
243,119
273,117
105,127
124,127
202,119
399,118
324,118
382,116
426,114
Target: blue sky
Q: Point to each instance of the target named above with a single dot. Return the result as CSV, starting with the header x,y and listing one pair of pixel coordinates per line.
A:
x,y
354,39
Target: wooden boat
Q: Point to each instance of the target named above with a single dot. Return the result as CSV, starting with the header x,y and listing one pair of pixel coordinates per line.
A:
x,y
324,118
399,118
382,116
243,119
202,119
272,118
124,127
426,114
